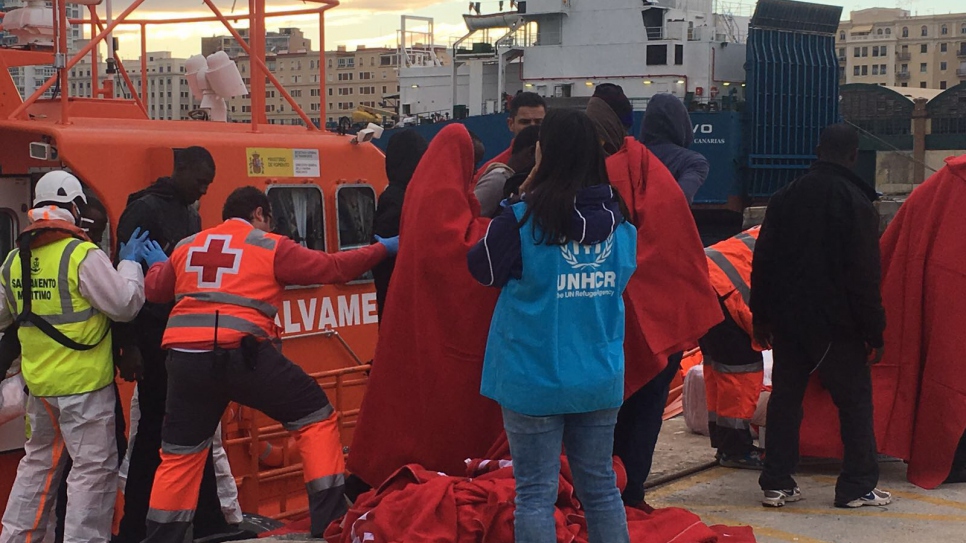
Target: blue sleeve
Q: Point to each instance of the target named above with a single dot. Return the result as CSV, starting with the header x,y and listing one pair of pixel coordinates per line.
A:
x,y
497,257
694,176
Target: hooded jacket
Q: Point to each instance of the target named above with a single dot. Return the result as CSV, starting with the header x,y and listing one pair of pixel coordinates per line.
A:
x,y
556,342
163,212
403,154
668,133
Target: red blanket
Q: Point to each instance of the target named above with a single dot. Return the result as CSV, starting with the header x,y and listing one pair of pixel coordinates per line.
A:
x,y
669,299
423,402
919,387
420,505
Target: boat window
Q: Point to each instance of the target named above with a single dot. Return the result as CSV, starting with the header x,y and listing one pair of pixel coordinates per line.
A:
x,y
298,214
356,207
8,231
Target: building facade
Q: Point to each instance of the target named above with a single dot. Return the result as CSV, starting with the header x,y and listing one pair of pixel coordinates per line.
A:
x,y
29,78
891,47
168,95
286,40
364,77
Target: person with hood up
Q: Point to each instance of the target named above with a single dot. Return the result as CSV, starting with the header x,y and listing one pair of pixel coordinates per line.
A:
x,y
668,133
554,357
403,154
64,292
441,315
670,259
165,210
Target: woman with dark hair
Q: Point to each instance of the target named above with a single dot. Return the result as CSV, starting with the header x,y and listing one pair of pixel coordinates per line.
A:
x,y
554,357
403,154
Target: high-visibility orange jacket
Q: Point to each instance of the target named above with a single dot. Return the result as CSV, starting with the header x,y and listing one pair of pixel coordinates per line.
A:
x,y
729,266
228,270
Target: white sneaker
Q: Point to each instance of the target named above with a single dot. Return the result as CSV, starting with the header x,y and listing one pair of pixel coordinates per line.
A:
x,y
778,498
875,498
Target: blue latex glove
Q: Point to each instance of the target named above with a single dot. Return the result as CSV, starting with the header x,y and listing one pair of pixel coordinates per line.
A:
x,y
153,253
391,244
134,247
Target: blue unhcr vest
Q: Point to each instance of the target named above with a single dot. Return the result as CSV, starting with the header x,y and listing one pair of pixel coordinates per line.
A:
x,y
556,341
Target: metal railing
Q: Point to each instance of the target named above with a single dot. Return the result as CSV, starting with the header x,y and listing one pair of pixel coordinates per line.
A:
x,y
903,75
255,48
961,72
904,55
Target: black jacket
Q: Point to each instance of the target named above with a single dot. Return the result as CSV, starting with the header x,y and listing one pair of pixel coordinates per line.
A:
x,y
161,211
816,272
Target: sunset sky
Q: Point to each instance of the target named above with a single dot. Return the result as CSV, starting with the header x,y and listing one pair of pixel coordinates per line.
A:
x,y
369,22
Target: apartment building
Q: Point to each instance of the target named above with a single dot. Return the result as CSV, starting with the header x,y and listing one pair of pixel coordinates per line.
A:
x,y
30,78
284,41
364,77
891,47
168,95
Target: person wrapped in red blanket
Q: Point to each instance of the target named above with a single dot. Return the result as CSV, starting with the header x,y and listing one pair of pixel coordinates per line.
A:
x,y
918,388
423,402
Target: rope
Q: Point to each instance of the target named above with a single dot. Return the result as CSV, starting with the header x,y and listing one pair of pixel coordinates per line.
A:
x,y
893,147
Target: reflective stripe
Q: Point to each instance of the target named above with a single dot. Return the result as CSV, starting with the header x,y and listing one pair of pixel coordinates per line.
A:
x,y
63,277
325,483
186,240
264,308
747,239
258,238
171,448
73,317
735,424
744,368
202,320
712,416
729,270
169,517
318,416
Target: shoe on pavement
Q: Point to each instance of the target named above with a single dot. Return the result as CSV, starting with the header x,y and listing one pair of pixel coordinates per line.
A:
x,y
752,460
778,498
875,498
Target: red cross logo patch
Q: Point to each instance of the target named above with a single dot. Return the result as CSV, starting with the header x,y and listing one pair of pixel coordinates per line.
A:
x,y
213,261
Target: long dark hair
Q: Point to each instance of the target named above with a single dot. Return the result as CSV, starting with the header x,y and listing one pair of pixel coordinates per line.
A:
x,y
571,159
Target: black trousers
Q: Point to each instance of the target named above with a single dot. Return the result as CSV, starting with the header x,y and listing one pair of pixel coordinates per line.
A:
x,y
200,387
842,368
146,457
638,426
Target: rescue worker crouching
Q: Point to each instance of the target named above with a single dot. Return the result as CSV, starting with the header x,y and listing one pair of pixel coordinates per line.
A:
x,y
733,364
63,292
228,282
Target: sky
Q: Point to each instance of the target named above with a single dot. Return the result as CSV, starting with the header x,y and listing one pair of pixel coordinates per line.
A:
x,y
371,22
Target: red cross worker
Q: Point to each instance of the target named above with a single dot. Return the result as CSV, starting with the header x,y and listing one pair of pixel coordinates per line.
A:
x,y
227,282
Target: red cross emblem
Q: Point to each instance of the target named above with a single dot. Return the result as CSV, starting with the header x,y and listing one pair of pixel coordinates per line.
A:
x,y
213,260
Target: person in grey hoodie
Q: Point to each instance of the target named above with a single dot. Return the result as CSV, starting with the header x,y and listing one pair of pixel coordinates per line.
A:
x,y
668,133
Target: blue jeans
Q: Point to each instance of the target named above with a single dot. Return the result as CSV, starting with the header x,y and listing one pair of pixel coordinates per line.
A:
x,y
535,445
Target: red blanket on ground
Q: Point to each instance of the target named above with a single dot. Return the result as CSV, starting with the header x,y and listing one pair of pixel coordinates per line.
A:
x,y
423,402
669,300
420,505
919,387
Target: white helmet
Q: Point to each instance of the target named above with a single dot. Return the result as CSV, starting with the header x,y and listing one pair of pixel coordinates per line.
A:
x,y
58,186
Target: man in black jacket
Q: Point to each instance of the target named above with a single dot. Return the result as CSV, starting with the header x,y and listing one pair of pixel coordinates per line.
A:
x,y
815,299
166,210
